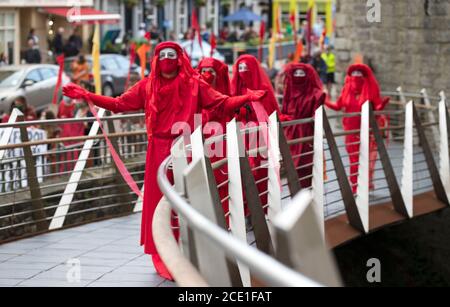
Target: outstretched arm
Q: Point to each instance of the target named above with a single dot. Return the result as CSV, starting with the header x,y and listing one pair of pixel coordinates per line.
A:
x,y
210,99
333,105
132,100
383,104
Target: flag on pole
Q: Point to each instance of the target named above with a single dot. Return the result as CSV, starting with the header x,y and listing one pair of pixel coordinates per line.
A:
x,y
142,54
311,20
329,18
275,32
60,62
96,60
132,59
262,33
293,17
196,28
298,52
213,43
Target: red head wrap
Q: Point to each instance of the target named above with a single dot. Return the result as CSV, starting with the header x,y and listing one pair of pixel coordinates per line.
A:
x,y
222,75
256,79
366,87
299,92
162,92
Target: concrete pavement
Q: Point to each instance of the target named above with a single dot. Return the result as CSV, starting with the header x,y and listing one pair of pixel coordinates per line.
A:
x,y
100,254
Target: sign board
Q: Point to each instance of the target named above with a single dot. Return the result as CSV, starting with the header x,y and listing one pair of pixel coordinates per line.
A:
x,y
45,3
13,174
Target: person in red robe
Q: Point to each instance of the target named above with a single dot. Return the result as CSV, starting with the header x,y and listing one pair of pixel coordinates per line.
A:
x,y
360,86
67,109
303,94
215,73
173,93
248,74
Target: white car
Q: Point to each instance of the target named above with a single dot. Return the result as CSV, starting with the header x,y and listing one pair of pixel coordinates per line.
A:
x,y
199,52
36,83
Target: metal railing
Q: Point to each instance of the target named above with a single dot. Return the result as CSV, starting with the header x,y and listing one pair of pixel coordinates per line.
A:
x,y
72,180
406,156
39,174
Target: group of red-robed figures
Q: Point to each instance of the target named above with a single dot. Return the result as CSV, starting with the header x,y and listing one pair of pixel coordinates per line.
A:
x,y
174,92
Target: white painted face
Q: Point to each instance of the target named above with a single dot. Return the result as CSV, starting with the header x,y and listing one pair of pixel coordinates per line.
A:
x,y
242,67
357,73
208,69
299,73
168,53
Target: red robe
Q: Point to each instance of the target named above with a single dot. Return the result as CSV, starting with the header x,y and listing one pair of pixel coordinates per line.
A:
x,y
222,85
302,97
256,79
69,130
356,91
166,102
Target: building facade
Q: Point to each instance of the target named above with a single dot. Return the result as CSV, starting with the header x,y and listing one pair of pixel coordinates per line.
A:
x,y
409,47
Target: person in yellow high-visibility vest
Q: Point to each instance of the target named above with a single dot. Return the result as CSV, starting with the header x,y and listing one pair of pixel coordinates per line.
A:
x,y
329,59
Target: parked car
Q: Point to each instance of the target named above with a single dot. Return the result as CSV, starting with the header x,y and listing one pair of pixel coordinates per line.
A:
x,y
114,72
36,83
199,52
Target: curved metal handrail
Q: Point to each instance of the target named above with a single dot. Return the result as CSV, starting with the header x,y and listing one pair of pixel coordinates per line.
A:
x,y
270,271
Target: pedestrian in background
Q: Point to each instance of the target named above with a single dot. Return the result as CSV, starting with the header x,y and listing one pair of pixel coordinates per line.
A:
x,y
319,65
32,35
32,55
330,60
80,70
58,42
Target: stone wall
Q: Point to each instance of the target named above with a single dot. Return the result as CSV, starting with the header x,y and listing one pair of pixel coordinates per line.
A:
x,y
409,47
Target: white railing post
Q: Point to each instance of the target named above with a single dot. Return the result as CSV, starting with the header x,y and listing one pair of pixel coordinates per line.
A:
x,y
274,181
318,170
300,244
444,151
64,204
430,115
236,199
179,165
362,196
408,160
401,94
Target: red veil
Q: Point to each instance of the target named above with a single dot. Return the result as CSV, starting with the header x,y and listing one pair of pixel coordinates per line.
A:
x,y
161,92
259,81
301,100
222,74
368,90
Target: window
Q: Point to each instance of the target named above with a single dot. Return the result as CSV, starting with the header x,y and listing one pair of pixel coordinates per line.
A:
x,y
7,35
34,75
108,63
48,73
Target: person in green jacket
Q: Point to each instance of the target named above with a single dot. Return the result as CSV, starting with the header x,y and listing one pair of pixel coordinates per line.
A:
x,y
330,59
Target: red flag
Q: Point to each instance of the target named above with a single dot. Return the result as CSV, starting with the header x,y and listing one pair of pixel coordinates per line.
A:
x,y
196,27
132,59
60,61
262,32
298,52
142,53
213,43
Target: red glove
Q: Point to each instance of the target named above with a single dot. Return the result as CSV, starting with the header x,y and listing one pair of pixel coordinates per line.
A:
x,y
255,95
234,103
77,92
74,91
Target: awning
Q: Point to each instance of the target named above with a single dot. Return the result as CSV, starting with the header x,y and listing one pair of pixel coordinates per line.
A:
x,y
83,15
